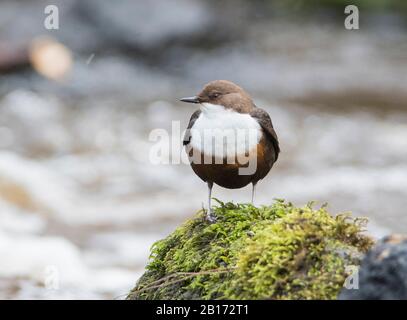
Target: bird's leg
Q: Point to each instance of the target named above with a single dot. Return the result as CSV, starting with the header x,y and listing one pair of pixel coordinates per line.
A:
x,y
253,191
209,214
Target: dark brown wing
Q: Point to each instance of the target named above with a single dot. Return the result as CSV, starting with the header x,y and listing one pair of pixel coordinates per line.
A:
x,y
187,136
265,122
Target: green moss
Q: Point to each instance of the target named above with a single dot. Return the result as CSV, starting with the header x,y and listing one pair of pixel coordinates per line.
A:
x,y
271,252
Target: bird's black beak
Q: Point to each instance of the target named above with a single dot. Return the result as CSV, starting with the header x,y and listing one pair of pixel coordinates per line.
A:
x,y
190,99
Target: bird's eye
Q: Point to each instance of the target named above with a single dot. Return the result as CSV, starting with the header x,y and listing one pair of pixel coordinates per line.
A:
x,y
214,95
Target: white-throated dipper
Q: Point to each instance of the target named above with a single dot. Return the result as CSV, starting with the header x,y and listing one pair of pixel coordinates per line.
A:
x,y
229,141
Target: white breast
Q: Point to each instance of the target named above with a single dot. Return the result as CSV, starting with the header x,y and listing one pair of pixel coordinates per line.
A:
x,y
222,132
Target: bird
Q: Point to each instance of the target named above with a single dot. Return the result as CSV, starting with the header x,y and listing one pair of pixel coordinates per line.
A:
x,y
229,140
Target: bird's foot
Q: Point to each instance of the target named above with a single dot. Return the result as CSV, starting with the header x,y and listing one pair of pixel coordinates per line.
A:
x,y
210,217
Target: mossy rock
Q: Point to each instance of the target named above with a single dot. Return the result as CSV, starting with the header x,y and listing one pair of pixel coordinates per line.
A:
x,y
271,252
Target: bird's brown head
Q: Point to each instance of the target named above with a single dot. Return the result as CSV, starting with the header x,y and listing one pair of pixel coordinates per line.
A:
x,y
224,93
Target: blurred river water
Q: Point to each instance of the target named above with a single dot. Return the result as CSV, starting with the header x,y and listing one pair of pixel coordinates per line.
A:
x,y
80,201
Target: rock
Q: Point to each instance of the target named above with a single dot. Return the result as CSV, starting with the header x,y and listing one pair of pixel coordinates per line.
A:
x,y
12,59
50,58
272,252
382,274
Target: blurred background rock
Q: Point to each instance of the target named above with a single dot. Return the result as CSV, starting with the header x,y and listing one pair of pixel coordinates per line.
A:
x,y
80,202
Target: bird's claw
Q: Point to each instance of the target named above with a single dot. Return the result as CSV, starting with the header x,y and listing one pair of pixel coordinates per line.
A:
x,y
210,217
